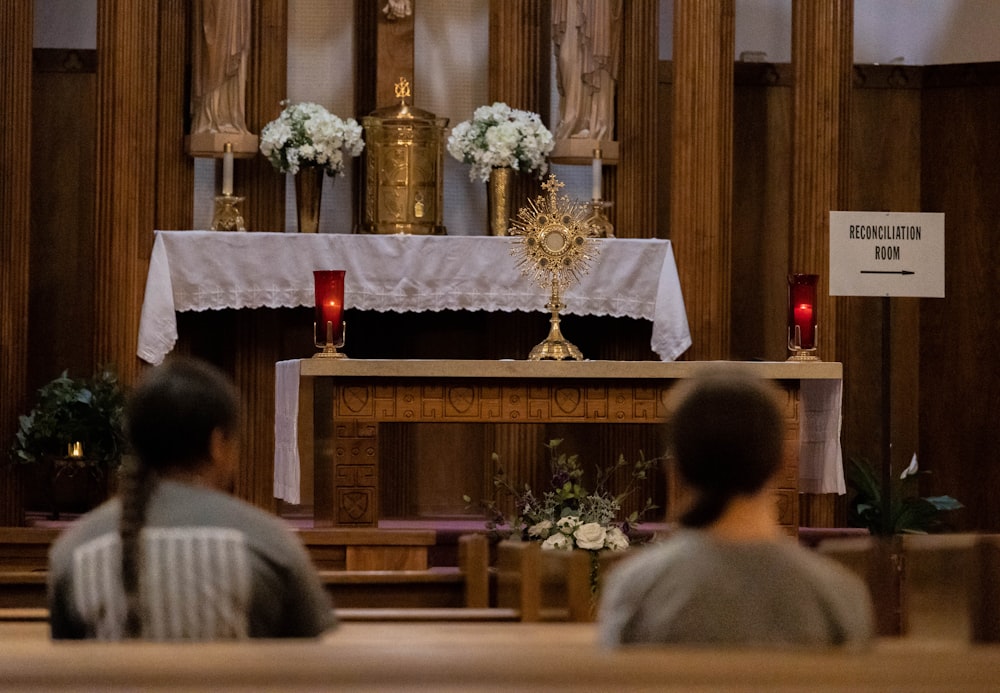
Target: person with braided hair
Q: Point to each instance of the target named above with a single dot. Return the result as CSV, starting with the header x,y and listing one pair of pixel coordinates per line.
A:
x,y
175,556
729,576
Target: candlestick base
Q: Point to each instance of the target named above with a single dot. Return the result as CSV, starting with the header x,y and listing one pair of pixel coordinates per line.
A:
x,y
555,347
227,215
804,355
598,223
795,346
329,347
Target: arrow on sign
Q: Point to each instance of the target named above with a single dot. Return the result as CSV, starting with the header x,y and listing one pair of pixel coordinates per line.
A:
x,y
887,272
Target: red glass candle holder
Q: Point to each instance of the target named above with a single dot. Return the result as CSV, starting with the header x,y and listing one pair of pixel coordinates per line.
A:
x,y
802,315
329,326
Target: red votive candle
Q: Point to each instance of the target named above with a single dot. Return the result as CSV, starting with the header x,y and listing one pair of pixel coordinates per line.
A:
x,y
802,311
329,305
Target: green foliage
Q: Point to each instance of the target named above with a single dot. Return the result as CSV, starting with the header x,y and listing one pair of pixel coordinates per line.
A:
x,y
910,513
555,515
90,411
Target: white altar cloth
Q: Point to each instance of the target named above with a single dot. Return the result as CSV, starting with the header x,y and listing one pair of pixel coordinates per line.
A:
x,y
205,270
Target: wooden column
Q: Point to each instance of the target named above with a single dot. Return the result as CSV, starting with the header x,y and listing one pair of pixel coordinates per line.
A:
x,y
126,174
253,342
822,55
174,168
17,29
267,85
632,184
702,170
520,64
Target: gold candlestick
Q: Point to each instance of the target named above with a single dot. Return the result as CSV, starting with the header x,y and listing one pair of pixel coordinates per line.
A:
x,y
227,215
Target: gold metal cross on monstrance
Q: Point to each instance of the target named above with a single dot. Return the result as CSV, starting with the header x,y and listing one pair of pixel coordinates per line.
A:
x,y
555,248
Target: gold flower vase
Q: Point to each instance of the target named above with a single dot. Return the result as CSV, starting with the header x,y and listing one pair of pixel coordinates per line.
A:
x,y
308,195
498,199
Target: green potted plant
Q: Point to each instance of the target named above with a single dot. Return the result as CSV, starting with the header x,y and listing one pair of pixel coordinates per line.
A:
x,y
887,519
909,513
75,435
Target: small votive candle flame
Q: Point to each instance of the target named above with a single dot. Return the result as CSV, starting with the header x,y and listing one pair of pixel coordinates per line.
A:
x,y
74,450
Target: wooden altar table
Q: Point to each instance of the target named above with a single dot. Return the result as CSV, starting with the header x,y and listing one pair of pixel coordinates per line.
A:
x,y
344,402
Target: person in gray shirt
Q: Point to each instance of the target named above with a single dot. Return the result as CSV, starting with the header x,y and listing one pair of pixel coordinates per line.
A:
x,y
176,556
729,576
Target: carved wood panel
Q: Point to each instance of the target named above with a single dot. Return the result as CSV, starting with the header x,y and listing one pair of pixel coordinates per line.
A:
x,y
350,413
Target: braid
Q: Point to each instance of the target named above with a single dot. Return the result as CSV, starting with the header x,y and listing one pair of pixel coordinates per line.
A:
x,y
137,486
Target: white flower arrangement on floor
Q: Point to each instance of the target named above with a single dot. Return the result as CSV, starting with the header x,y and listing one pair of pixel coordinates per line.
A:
x,y
499,136
306,134
568,516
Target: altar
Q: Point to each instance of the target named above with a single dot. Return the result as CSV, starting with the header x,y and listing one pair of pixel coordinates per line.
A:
x,y
331,412
207,270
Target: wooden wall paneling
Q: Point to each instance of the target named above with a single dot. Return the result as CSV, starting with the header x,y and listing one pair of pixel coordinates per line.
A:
x,y
257,349
634,180
267,86
63,142
17,28
885,175
960,388
822,55
174,168
702,169
761,210
126,145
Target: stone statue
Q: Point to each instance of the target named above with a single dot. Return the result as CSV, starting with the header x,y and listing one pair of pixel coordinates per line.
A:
x,y
587,36
219,66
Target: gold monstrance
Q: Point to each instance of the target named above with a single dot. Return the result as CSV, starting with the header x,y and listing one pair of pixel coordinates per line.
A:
x,y
555,248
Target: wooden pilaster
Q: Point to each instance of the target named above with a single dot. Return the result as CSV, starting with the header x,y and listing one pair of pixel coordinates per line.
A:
x,y
632,184
702,170
126,191
822,54
174,168
519,67
16,27
267,86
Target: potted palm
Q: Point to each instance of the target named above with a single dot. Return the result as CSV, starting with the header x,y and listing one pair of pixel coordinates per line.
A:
x,y
74,437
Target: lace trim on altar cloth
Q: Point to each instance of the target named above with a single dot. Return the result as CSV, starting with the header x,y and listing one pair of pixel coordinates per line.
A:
x,y
197,270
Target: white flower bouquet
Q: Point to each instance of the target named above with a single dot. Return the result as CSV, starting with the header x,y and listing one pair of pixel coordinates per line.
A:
x,y
498,136
568,516
306,134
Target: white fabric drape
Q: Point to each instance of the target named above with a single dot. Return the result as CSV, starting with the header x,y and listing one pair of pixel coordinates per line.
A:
x,y
203,270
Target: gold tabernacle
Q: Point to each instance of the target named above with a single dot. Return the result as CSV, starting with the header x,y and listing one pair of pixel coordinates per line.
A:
x,y
404,171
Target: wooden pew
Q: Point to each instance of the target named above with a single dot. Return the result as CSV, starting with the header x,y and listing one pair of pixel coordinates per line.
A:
x,y
544,585
523,657
932,586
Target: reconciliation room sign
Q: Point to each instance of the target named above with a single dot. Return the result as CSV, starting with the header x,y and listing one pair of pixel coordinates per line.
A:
x,y
887,254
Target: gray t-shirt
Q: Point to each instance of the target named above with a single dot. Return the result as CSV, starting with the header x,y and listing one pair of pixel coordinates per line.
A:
x,y
218,556
696,589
